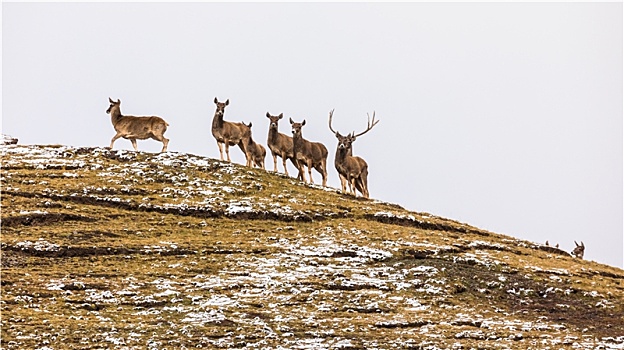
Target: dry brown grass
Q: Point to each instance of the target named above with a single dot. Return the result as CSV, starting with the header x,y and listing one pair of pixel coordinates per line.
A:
x,y
104,249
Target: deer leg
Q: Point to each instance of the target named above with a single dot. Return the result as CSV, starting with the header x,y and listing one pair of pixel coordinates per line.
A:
x,y
321,170
220,149
353,186
363,180
249,160
118,135
310,171
301,174
162,139
165,142
134,144
275,162
343,182
285,168
227,149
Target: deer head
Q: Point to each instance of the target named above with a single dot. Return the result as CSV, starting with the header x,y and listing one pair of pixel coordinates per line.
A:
x,y
296,127
346,141
579,250
221,106
113,104
274,119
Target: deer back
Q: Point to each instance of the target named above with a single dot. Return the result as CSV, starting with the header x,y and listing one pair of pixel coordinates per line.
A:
x,y
318,151
280,144
141,127
233,132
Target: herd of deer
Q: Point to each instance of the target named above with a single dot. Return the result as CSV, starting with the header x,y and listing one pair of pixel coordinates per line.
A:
x,y
352,170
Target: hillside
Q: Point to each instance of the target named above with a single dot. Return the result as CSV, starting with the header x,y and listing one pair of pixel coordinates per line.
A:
x,y
118,249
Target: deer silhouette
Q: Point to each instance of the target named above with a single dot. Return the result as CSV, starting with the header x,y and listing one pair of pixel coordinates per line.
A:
x,y
579,250
352,170
280,145
228,133
310,154
255,151
136,128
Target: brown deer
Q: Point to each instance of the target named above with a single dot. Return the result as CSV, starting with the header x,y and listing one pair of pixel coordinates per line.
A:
x,y
255,151
227,133
579,250
136,128
310,154
280,145
352,170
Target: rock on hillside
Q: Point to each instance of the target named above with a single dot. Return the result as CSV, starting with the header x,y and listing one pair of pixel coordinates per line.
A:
x,y
115,249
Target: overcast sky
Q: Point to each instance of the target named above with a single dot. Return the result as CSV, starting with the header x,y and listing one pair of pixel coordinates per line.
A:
x,y
506,116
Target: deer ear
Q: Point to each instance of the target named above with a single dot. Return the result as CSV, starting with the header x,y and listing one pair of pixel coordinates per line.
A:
x,y
215,100
249,125
110,100
303,122
118,101
281,115
291,121
268,115
227,102
582,244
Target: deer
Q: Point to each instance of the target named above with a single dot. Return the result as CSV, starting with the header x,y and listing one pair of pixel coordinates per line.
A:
x,y
579,250
280,145
227,133
255,151
352,170
310,154
136,128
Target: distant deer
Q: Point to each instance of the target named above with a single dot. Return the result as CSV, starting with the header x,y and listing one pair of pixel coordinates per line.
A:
x,y
227,133
136,128
255,151
280,145
579,250
352,170
310,154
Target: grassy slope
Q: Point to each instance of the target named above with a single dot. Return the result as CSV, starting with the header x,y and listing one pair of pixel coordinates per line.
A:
x,y
113,248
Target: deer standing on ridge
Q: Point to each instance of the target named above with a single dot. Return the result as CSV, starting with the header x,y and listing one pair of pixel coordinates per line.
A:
x,y
280,145
255,151
310,154
227,133
136,128
352,170
579,250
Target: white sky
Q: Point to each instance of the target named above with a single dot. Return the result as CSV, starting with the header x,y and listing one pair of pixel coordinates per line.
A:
x,y
506,116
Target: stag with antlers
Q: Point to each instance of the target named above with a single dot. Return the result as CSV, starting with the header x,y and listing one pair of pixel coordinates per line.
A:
x,y
310,154
352,170
579,250
228,133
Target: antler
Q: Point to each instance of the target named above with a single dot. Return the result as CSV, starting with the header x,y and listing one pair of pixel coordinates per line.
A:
x,y
370,125
331,114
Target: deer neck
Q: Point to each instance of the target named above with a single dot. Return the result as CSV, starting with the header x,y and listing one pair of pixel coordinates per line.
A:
x,y
342,154
297,141
272,135
115,115
217,121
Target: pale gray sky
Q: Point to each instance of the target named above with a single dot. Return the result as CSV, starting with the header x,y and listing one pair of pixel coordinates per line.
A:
x,y
506,116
